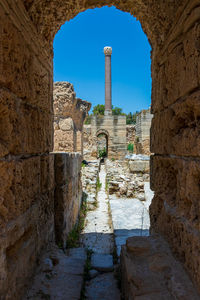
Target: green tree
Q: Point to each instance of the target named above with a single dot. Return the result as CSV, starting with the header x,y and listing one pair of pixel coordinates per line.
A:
x,y
129,118
88,120
117,111
98,109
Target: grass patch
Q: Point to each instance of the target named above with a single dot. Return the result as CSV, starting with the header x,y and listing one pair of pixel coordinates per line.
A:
x,y
107,184
99,184
86,275
74,234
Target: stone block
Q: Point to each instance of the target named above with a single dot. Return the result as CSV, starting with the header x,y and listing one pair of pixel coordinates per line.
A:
x,y
102,262
22,184
179,75
175,130
68,193
20,71
23,128
104,287
138,166
149,271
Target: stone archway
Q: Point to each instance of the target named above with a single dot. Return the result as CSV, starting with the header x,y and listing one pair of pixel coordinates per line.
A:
x,y
26,85
102,137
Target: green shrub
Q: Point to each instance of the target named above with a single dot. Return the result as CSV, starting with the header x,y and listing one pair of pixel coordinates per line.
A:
x,y
130,147
102,153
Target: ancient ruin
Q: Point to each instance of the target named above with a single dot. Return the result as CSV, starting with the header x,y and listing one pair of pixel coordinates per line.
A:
x,y
138,135
27,180
69,115
142,132
112,127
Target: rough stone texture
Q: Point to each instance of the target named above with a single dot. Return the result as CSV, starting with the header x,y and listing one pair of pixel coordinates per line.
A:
x,y
139,166
68,193
26,219
149,271
114,128
102,262
130,135
62,281
116,136
124,181
97,234
26,79
69,115
90,173
103,287
142,134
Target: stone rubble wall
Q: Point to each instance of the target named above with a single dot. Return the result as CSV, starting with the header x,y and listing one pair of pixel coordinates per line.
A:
x,y
90,174
130,136
138,135
124,181
68,194
142,132
69,115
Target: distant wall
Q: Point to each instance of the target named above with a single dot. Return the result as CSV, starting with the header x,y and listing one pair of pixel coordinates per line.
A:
x,y
142,127
69,115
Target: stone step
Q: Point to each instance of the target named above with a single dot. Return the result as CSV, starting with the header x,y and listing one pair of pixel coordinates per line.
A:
x,y
61,280
102,262
103,287
79,253
149,271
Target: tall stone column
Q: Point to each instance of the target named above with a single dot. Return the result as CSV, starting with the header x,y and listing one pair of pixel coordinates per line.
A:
x,y
108,87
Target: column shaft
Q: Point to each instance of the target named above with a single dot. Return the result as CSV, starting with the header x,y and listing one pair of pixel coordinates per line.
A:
x,y
108,88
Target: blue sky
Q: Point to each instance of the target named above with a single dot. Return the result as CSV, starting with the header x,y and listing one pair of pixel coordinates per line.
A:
x,y
79,58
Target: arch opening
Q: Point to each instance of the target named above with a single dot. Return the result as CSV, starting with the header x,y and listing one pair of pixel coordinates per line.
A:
x,y
26,128
102,145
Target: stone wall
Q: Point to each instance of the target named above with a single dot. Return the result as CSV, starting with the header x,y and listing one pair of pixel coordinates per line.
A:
x,y
143,127
68,193
175,171
142,134
69,115
114,128
26,128
130,134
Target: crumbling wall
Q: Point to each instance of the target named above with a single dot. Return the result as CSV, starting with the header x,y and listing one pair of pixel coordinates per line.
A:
x,y
130,136
68,193
69,115
142,134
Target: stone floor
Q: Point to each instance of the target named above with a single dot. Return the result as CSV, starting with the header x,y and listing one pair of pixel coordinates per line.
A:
x,y
149,270
130,217
98,237
98,232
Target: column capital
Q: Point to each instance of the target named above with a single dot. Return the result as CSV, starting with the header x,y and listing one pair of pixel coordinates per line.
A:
x,y
107,50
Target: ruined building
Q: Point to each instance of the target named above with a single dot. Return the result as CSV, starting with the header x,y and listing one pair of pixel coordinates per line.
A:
x,y
112,127
26,128
142,132
69,115
138,135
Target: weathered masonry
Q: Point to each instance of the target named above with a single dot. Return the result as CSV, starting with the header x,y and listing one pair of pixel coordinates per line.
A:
x,y
26,128
69,115
143,125
114,127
